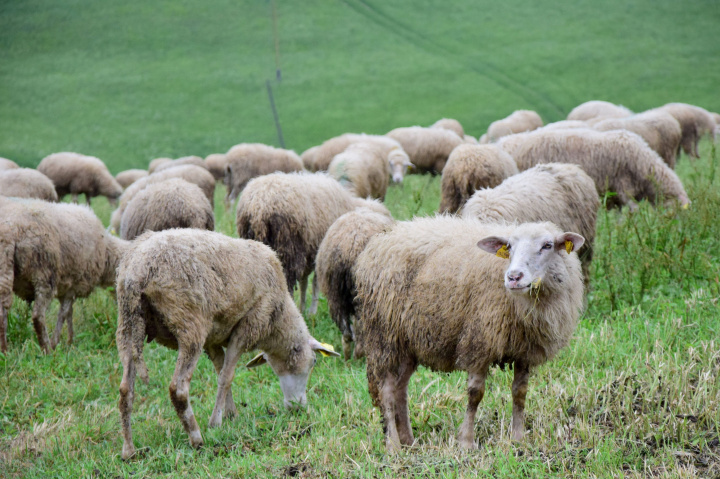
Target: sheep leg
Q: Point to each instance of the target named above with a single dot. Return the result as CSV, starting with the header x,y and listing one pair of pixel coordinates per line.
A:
x,y
314,301
402,416
519,391
217,355
127,394
303,291
40,305
65,314
347,342
476,391
3,328
188,356
387,404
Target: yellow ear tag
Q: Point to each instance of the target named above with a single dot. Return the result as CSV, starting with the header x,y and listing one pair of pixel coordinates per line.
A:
x,y
569,246
327,346
686,206
503,252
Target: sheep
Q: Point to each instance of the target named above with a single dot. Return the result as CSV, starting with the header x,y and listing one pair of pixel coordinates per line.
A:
x,y
190,173
429,293
659,130
518,122
469,168
695,122
450,124
596,109
74,173
561,193
50,250
249,160
27,183
716,117
290,212
185,160
618,161
195,290
363,169
427,148
308,157
470,139
342,244
318,158
6,164
154,164
565,125
173,203
216,164
128,177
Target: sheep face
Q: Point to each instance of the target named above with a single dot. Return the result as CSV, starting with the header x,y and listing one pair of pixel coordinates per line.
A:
x,y
399,162
535,257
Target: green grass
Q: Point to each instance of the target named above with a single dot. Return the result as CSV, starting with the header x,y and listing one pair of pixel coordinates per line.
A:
x,y
635,393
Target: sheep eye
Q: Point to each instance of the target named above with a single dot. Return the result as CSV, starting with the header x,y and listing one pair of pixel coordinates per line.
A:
x,y
547,246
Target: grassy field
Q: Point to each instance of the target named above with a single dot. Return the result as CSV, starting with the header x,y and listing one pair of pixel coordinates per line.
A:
x,y
636,392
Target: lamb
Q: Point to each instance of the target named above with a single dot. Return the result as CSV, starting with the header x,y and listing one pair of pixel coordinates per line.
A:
x,y
154,164
173,203
27,183
195,290
185,160
291,212
518,122
342,244
695,122
618,161
190,173
249,160
469,168
450,124
128,177
592,110
363,169
659,129
74,173
6,164
428,148
561,193
50,250
216,164
429,293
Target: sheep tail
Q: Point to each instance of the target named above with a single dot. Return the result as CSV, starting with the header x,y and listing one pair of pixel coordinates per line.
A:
x,y
131,326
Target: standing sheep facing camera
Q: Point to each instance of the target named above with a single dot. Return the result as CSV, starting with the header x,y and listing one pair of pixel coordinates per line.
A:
x,y
363,169
128,177
469,168
173,203
6,164
430,294
196,291
27,183
50,250
75,174
427,148
695,122
291,213
250,160
519,121
560,193
597,109
336,256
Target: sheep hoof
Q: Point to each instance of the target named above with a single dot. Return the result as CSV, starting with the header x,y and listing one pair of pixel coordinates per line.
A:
x,y
196,440
468,444
215,421
128,451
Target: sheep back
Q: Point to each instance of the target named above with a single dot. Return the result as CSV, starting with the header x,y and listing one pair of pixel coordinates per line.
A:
x,y
450,124
598,109
6,164
73,173
428,148
128,177
517,122
250,160
27,183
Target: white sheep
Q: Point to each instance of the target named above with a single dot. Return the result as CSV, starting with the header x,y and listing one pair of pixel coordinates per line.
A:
x,y
75,174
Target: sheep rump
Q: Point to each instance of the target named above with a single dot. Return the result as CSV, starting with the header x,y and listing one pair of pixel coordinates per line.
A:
x,y
27,183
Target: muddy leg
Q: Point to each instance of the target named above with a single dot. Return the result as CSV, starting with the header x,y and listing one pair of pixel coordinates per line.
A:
x,y
402,415
127,395
3,328
476,391
387,404
314,301
225,377
217,355
65,314
347,344
40,305
519,391
188,356
87,199
303,292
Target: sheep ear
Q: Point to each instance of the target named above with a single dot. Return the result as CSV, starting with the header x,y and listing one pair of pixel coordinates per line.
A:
x,y
569,242
323,348
258,360
495,245
408,164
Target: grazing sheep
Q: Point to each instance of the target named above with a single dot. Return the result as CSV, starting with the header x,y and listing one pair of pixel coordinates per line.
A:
x,y
154,164
169,204
195,290
216,164
428,294
469,168
318,158
363,169
50,250
27,183
659,130
342,244
618,161
595,109
74,173
695,122
399,162
291,213
190,173
6,164
560,193
249,160
450,124
128,177
519,121
185,160
428,148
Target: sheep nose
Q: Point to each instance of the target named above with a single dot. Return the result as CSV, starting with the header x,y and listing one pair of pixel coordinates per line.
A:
x,y
514,276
